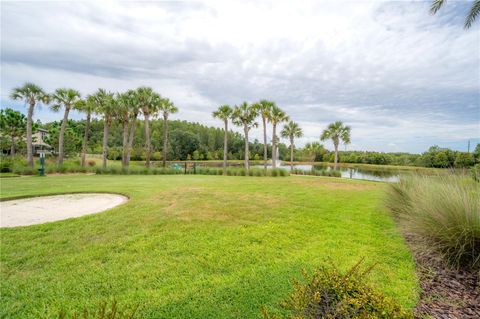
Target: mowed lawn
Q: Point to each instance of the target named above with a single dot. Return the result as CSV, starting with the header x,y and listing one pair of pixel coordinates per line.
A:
x,y
196,246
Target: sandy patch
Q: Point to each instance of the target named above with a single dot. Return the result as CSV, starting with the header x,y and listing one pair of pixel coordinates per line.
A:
x,y
39,210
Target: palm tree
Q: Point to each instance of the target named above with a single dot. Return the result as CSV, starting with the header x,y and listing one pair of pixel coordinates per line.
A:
x,y
264,107
68,99
471,16
276,116
224,113
105,106
134,111
148,101
313,149
31,94
166,107
88,107
127,104
336,132
245,115
291,131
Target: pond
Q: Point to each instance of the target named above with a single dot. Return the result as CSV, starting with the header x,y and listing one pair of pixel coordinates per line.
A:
x,y
380,175
371,174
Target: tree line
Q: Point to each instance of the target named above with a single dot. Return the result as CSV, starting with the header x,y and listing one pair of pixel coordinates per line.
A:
x,y
120,134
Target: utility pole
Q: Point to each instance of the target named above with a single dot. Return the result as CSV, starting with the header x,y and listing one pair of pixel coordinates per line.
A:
x,y
468,146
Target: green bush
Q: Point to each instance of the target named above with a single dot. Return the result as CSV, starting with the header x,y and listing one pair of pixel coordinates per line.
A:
x,y
330,293
442,210
6,164
475,171
25,170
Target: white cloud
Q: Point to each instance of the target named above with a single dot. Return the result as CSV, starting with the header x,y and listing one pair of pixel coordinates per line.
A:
x,y
393,72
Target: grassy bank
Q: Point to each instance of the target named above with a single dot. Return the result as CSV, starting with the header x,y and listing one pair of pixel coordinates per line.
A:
x,y
196,246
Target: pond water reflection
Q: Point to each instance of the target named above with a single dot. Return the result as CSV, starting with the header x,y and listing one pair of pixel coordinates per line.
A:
x,y
355,172
379,175
371,174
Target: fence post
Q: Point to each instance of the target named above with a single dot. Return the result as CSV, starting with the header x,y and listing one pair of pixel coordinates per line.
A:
x,y
185,168
194,168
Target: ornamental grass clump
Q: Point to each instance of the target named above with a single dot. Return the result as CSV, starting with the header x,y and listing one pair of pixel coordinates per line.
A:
x,y
443,212
331,293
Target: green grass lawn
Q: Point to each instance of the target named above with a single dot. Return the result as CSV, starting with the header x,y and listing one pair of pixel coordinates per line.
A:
x,y
196,246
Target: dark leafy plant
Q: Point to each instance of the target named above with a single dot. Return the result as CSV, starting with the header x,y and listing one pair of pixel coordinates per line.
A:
x,y
333,294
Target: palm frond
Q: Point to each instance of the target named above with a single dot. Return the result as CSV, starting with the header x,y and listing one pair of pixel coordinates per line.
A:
x,y
436,5
472,14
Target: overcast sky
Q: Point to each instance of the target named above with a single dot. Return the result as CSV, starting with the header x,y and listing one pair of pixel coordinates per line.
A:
x,y
401,78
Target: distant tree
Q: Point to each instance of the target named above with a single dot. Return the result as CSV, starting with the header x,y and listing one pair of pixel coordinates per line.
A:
x,y
105,105
291,131
471,16
88,107
336,132
148,101
314,150
66,99
166,107
31,94
464,159
13,125
224,113
127,111
476,153
245,115
264,108
183,143
72,136
441,159
134,111
276,117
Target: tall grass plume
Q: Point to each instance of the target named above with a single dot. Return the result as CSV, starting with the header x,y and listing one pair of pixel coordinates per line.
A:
x,y
442,210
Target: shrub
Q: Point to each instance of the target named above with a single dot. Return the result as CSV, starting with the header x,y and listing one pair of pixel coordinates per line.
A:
x,y
443,211
475,171
330,293
6,165
25,170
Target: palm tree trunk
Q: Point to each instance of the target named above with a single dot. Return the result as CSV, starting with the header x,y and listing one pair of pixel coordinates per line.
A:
x,y
225,148
165,139
274,146
29,134
125,142
61,137
265,148
148,146
245,129
291,154
335,145
85,139
130,138
106,126
12,148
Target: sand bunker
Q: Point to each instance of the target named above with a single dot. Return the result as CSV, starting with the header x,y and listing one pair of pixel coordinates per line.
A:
x,y
38,210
